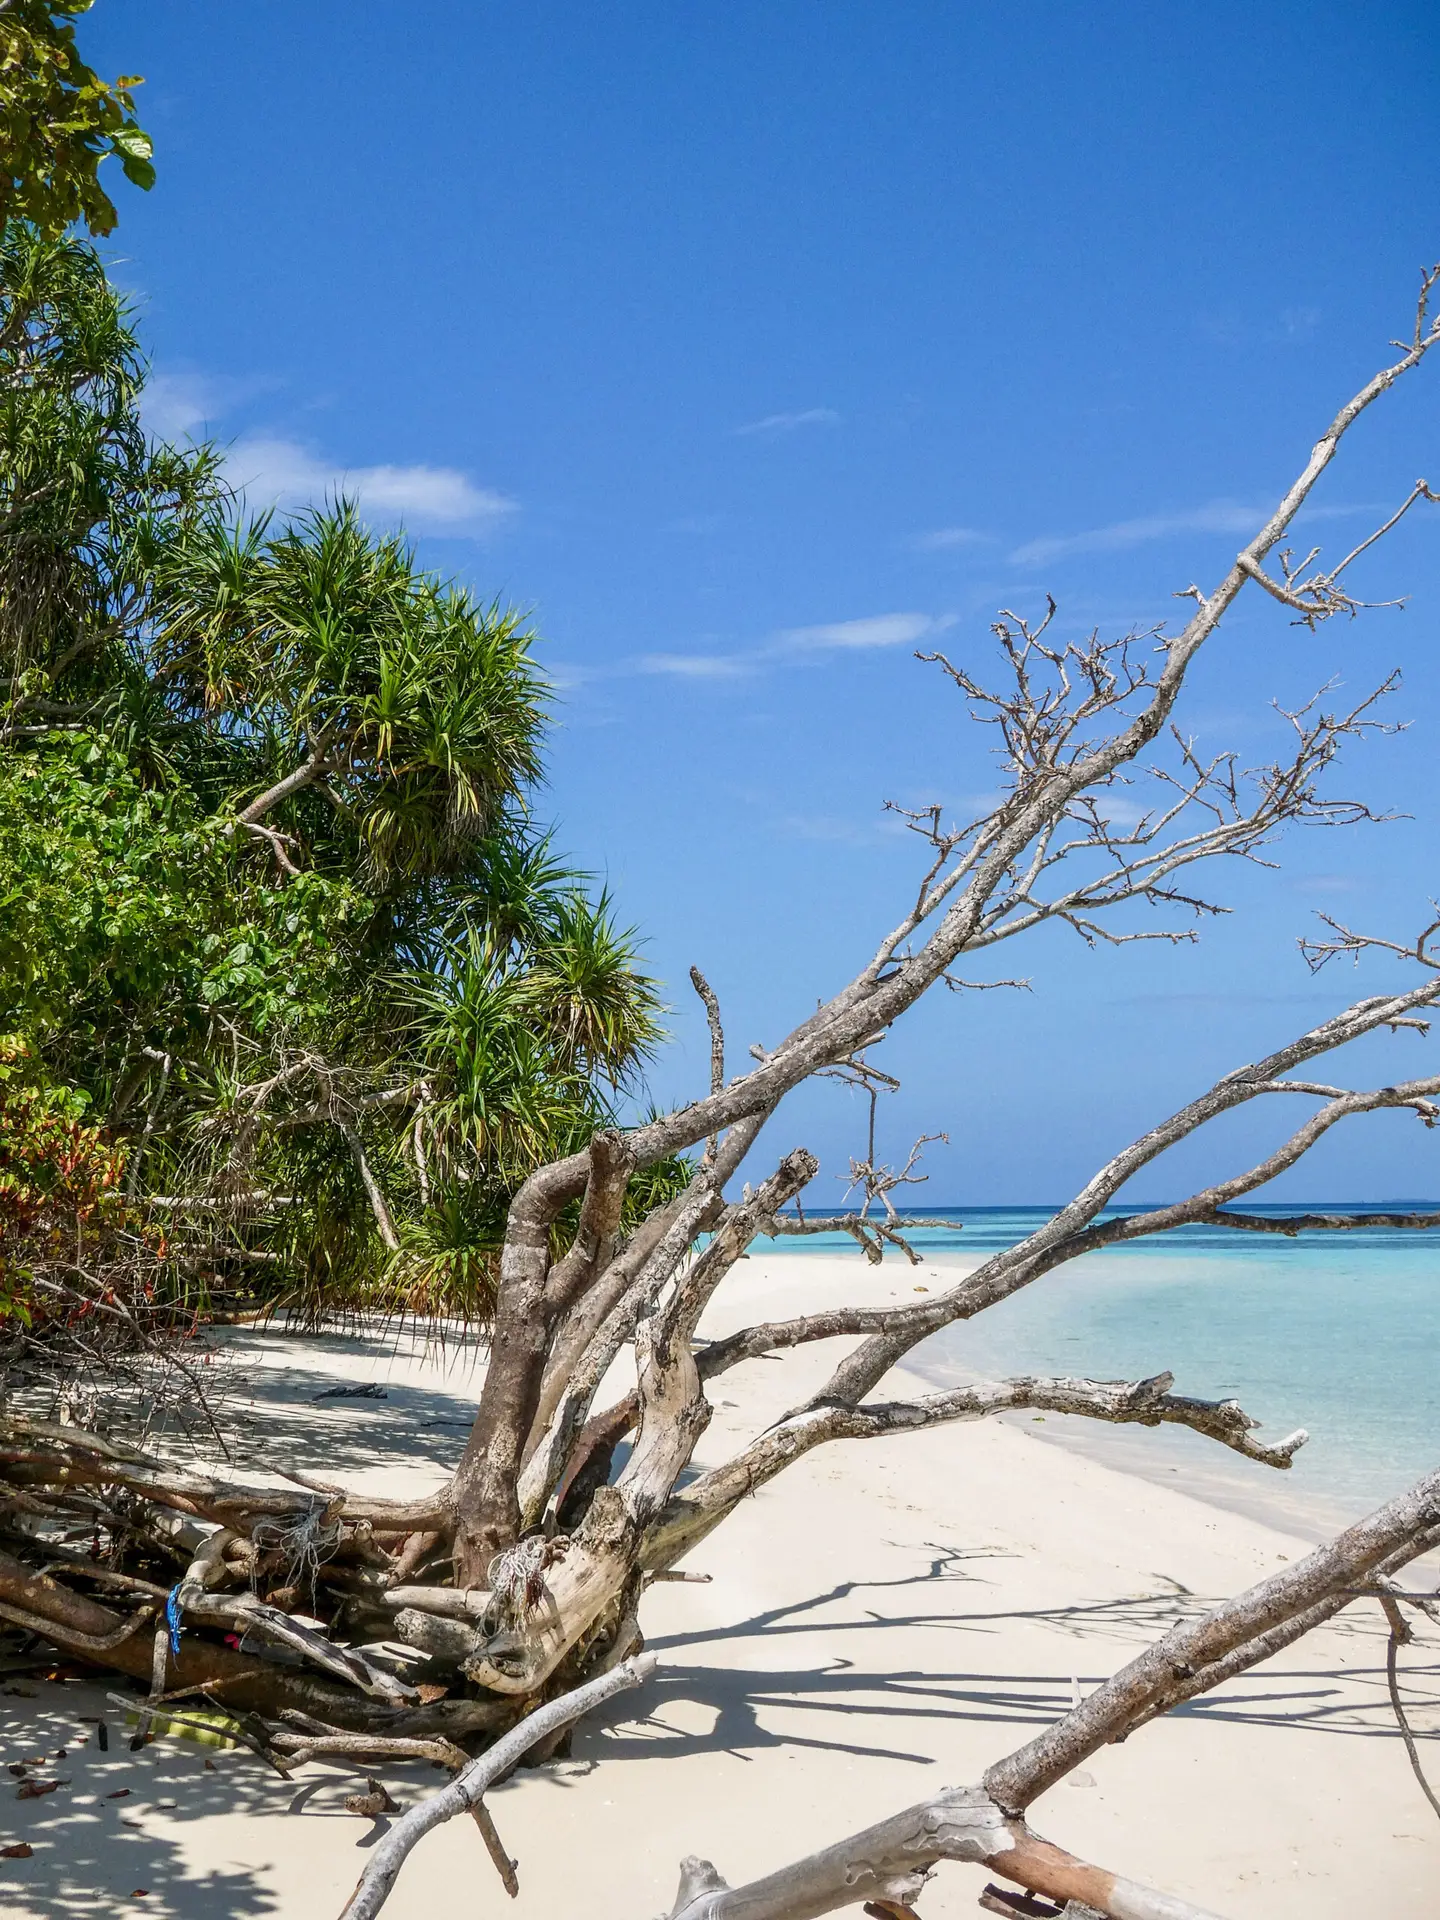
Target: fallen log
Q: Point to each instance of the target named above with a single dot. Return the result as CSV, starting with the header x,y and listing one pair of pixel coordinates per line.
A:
x,y
85,1628
886,1867
33,1454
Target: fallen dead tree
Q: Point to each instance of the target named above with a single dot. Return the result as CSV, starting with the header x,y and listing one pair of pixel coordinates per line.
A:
x,y
314,1615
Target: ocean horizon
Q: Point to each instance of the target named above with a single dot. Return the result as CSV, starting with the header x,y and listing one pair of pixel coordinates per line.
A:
x,y
1335,1331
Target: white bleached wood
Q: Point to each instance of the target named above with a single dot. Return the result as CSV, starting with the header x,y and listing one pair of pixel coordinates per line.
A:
x,y
468,1788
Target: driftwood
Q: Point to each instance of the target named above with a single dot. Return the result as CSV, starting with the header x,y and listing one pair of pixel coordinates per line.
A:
x,y
465,1793
523,1577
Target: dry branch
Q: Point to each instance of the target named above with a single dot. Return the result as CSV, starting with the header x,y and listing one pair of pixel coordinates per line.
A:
x,y
465,1793
706,1501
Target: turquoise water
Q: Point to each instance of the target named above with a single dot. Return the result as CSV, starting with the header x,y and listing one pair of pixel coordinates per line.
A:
x,y
1335,1332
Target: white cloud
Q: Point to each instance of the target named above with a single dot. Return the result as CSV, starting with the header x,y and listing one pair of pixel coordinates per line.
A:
x,y
948,539
1120,812
793,643
879,630
774,423
174,405
829,827
1343,512
696,666
283,473
1220,516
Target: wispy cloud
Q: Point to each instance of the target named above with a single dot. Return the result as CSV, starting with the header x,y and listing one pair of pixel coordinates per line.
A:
x,y
879,630
275,470
272,471
1226,327
777,423
173,405
950,539
831,828
1327,883
874,631
696,666
1220,516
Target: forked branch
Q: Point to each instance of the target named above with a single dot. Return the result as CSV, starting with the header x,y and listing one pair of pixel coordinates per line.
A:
x,y
465,1793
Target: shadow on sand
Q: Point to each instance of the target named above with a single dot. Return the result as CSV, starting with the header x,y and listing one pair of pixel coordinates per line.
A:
x,y
93,1853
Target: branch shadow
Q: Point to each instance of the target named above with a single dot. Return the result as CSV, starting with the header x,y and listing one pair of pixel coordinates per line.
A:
x,y
282,1407
876,1708
114,1840
877,1703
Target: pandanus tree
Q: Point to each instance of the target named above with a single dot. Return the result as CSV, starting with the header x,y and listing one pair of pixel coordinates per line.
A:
x,y
278,912
515,1590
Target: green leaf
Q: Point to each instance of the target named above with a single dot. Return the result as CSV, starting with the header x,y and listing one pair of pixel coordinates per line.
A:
x,y
140,173
133,142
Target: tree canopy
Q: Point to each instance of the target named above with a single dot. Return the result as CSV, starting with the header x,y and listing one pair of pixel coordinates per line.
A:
x,y
59,121
275,914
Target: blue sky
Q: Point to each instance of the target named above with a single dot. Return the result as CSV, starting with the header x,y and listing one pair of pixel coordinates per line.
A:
x,y
752,347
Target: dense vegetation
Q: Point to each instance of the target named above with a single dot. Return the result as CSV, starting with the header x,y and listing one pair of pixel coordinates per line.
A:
x,y
277,929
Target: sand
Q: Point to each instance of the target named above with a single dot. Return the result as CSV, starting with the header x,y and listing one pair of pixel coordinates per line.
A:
x,y
886,1618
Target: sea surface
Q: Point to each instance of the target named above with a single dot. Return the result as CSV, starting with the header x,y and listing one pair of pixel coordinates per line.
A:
x,y
1336,1332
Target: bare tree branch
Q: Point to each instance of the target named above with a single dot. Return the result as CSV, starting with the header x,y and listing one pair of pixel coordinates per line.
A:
x,y
717,1048
311,769
1293,1224
985,1825
374,1192
872,1235
464,1794
893,1331
707,1500
1316,596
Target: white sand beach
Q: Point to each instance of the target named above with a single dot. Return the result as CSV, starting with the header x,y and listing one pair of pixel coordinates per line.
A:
x,y
887,1617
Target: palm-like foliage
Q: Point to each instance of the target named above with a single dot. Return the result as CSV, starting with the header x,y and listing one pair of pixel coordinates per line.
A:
x,y
287,925
584,992
413,708
82,495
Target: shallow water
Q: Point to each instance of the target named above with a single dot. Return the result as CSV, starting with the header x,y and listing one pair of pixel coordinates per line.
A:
x,y
1337,1332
